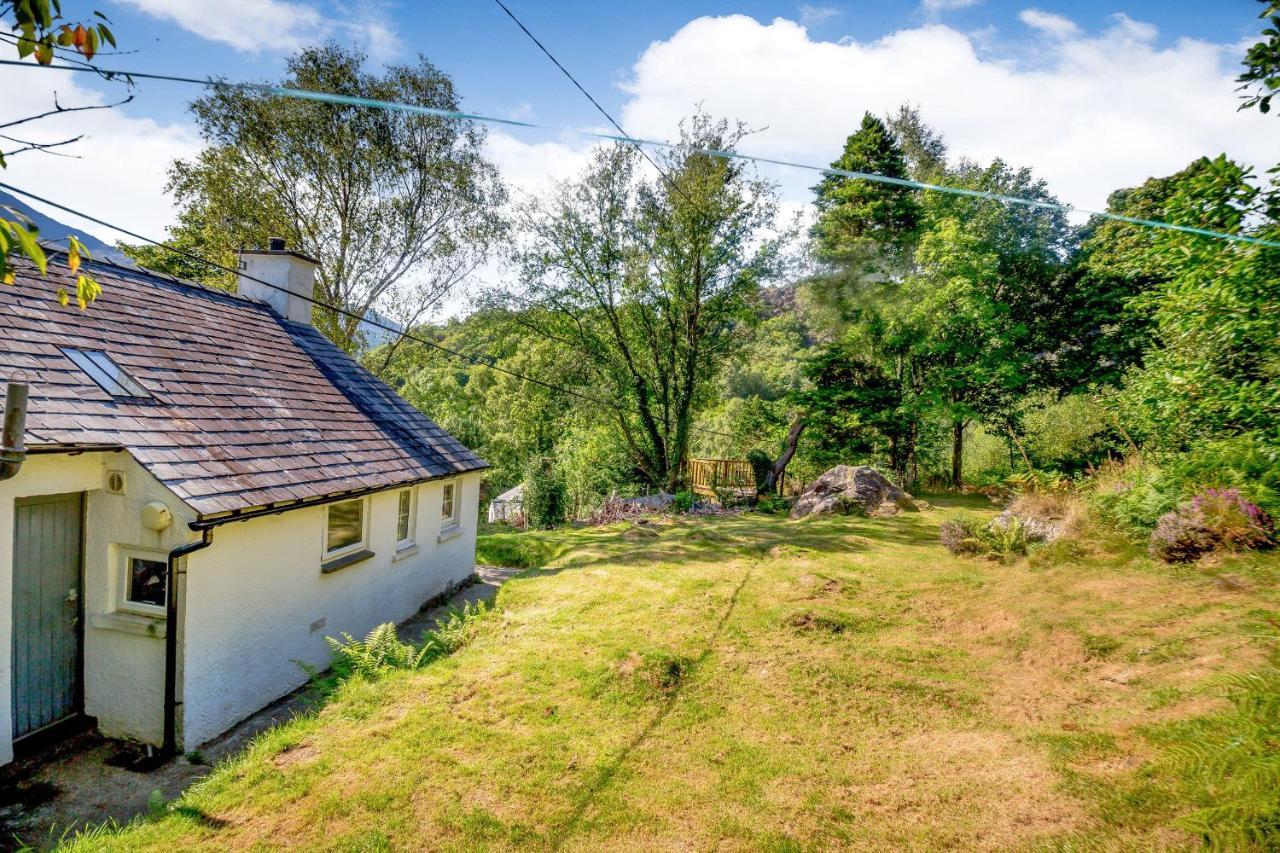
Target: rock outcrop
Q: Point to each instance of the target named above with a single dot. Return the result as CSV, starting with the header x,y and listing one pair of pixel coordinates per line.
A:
x,y
846,489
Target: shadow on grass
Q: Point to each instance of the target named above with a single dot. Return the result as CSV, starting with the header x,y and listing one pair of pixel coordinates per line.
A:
x,y
698,540
607,773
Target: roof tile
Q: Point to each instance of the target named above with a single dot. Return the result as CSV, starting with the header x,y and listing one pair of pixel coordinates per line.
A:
x,y
249,409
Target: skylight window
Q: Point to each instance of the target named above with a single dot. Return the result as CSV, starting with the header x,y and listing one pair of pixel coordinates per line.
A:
x,y
109,376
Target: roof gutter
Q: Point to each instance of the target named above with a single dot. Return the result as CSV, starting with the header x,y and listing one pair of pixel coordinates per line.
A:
x,y
207,523
171,637
12,451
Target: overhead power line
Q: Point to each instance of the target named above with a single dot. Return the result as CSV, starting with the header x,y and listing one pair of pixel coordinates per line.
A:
x,y
643,153
486,361
328,97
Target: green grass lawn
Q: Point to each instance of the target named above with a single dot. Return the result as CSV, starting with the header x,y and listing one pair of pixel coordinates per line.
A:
x,y
755,683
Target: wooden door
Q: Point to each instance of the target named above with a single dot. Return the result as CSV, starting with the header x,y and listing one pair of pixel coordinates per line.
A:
x,y
47,607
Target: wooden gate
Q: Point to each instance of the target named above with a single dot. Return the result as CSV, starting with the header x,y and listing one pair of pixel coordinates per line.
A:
x,y
47,608
711,477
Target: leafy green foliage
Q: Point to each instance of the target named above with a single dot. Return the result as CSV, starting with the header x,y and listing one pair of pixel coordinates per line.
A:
x,y
773,504
1261,78
999,539
1214,370
864,224
382,650
682,501
396,206
41,31
853,408
1235,760
544,495
648,286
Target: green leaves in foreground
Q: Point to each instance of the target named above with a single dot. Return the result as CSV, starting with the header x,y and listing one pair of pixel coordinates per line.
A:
x,y
382,649
1236,761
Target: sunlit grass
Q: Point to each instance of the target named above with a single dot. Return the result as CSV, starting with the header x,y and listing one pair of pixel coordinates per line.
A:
x,y
758,683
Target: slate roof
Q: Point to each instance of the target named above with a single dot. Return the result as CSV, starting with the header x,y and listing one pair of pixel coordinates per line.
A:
x,y
249,409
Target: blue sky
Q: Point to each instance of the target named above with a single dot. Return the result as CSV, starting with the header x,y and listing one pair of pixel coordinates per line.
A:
x,y
499,70
1092,95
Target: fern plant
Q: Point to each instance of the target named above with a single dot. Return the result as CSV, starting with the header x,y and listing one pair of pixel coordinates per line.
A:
x,y
1238,766
382,650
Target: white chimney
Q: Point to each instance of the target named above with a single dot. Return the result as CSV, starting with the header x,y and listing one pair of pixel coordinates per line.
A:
x,y
291,276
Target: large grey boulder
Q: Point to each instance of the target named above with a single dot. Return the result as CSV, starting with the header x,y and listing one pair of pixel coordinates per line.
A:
x,y
846,488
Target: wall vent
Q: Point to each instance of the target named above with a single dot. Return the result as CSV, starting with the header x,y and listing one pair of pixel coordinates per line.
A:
x,y
115,482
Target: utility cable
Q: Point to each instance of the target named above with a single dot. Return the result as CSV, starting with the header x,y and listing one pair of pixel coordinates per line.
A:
x,y
643,153
487,361
327,97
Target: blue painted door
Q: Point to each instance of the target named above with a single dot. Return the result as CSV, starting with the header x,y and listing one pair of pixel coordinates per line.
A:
x,y
48,532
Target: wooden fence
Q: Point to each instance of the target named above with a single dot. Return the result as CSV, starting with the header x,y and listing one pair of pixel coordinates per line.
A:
x,y
709,476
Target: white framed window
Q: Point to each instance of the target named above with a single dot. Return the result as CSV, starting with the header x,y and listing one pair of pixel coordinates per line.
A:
x,y
449,505
345,527
405,506
144,581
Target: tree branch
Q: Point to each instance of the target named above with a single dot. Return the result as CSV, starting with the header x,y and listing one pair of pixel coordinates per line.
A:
x,y
59,109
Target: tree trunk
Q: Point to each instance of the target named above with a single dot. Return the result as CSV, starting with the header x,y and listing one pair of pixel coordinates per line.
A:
x,y
957,454
774,479
1026,460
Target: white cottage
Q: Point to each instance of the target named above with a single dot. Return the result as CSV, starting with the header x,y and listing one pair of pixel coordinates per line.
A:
x,y
210,488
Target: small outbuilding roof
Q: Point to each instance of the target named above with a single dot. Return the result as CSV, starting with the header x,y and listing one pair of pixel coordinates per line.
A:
x,y
242,409
515,493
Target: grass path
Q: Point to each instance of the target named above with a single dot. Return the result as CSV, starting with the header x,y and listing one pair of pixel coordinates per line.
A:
x,y
751,683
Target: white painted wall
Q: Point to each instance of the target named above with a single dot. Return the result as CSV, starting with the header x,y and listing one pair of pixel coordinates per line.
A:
x,y
256,602
250,600
123,669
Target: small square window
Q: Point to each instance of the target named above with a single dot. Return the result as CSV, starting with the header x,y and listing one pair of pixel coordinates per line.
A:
x,y
345,528
449,504
404,519
145,578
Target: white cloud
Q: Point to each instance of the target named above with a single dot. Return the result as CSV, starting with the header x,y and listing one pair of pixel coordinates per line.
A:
x,y
121,168
278,25
243,24
1097,111
530,168
1047,22
934,8
816,16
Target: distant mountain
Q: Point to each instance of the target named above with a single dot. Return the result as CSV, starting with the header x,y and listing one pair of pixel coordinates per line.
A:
x,y
57,232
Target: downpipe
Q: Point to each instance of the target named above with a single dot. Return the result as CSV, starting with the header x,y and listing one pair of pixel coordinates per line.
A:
x,y
12,451
171,638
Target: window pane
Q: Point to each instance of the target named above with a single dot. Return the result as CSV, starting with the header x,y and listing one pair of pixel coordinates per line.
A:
x,y
117,374
109,376
446,506
346,524
402,523
147,581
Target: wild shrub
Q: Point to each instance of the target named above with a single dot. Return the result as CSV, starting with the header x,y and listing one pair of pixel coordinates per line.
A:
x,y
996,539
1004,538
761,466
773,504
682,501
958,537
1214,519
1134,495
544,495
